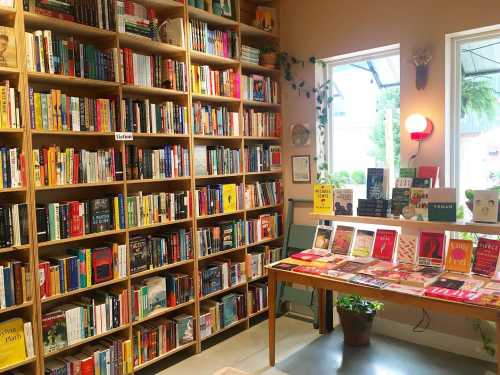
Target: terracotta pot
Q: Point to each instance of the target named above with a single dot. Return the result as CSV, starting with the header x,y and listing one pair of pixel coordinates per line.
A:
x,y
269,59
356,327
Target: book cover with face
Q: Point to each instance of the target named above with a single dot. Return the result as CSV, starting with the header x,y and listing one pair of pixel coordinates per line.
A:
x,y
459,256
385,242
8,47
485,206
323,237
343,239
431,249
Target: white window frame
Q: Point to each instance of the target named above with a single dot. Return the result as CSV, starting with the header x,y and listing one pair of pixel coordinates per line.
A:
x,y
453,88
350,58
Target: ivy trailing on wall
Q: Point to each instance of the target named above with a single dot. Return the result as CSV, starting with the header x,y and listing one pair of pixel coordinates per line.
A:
x,y
322,97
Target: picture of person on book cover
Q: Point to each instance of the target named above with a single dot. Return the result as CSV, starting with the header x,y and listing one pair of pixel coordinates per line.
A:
x,y
7,47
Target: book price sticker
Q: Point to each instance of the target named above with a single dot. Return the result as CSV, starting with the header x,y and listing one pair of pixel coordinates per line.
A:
x,y
124,136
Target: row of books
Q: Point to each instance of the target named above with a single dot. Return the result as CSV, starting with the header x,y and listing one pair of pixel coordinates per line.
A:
x,y
262,124
14,229
15,283
152,340
219,313
152,71
61,220
208,81
157,250
261,194
223,43
47,53
219,275
88,316
17,341
216,160
54,110
259,88
224,236
137,19
260,257
80,268
109,356
159,292
143,116
96,13
54,166
218,199
257,297
12,167
157,208
159,163
10,112
264,227
262,158
250,54
215,120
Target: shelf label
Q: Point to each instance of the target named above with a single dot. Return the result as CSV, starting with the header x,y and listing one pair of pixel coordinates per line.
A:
x,y
124,136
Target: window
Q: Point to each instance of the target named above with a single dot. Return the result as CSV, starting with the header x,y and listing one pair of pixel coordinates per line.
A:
x,y
364,128
474,118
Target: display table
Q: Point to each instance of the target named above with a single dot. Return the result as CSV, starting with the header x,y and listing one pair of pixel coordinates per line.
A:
x,y
323,283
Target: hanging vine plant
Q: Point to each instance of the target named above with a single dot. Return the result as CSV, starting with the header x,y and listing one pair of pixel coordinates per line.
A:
x,y
323,100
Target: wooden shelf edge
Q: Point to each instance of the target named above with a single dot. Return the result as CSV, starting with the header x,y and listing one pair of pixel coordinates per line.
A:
x,y
219,215
159,269
82,290
158,225
224,252
79,186
18,364
164,355
260,312
80,238
225,329
222,291
162,311
16,307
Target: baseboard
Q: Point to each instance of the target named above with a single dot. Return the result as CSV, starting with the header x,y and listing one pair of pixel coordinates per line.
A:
x,y
433,339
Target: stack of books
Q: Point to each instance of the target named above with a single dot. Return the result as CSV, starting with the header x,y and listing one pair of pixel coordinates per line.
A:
x,y
221,275
136,19
12,168
208,81
218,199
260,89
262,158
215,120
15,283
262,124
61,220
224,236
373,207
223,43
54,166
257,297
156,250
157,208
10,115
143,116
160,163
14,229
71,112
46,53
250,54
261,194
216,160
264,227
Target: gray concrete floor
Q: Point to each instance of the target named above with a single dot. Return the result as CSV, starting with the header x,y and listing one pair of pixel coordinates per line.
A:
x,y
301,351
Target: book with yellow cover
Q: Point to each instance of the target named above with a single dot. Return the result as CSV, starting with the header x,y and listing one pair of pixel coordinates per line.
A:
x,y
459,256
323,198
13,349
229,196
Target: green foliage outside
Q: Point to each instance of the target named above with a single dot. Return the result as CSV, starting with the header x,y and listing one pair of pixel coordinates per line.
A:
x,y
478,97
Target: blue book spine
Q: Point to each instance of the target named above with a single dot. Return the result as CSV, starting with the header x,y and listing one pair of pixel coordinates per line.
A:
x,y
83,268
9,293
62,275
121,210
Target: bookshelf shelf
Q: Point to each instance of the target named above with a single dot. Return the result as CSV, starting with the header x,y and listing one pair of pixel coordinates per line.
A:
x,y
79,186
225,252
162,4
12,131
4,70
13,190
160,269
69,133
144,90
206,58
258,278
258,313
217,137
80,238
215,98
252,31
5,250
159,180
86,341
18,364
222,291
56,79
160,135
82,290
225,329
253,103
147,45
7,11
163,356
160,312
211,18
263,173
264,207
158,225
212,176
252,138
258,68
219,215
16,307
263,242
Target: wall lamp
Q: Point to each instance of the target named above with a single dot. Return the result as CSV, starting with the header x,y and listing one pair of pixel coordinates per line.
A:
x,y
419,127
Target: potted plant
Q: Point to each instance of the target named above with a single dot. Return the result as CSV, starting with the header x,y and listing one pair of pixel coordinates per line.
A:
x,y
268,57
356,317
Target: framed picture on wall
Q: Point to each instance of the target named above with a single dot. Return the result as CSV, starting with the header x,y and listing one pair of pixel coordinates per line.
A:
x,y
301,169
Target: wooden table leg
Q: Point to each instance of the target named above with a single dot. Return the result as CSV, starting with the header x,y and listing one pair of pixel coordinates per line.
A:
x,y
321,310
271,298
498,341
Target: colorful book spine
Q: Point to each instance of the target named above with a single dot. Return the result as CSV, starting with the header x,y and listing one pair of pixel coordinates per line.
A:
x,y
203,38
260,89
224,236
10,116
264,227
210,199
12,168
208,81
14,225
261,194
262,124
262,157
214,120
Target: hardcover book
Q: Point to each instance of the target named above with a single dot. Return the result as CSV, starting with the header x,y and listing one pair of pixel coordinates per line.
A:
x,y
377,184
407,249
342,239
12,342
102,264
485,206
363,243
400,199
421,278
442,204
343,201
285,266
8,51
323,198
431,172
200,160
385,242
408,172
443,282
54,331
229,197
323,238
486,258
459,256
419,201
431,249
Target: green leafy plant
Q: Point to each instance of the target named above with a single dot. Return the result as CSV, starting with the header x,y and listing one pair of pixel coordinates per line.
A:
x,y
478,97
354,303
358,177
488,345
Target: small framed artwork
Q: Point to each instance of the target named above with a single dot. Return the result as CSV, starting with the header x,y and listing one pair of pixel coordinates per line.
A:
x,y
323,239
301,169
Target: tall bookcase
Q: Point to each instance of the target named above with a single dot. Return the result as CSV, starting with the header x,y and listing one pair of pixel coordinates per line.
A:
x,y
30,139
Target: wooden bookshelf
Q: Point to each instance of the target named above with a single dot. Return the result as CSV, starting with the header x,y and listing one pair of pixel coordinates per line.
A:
x,y
30,139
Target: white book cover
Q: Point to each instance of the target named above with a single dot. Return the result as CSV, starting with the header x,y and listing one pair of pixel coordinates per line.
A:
x,y
28,340
407,249
485,206
2,290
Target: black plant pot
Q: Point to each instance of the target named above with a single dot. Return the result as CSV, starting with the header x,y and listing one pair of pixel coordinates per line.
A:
x,y
356,327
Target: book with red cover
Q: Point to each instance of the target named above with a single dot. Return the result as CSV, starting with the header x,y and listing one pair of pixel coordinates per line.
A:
x,y
76,220
102,264
342,239
305,256
385,242
431,171
485,261
431,249
314,270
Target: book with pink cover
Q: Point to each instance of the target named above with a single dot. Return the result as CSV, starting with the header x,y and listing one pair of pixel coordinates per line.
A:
x,y
485,261
431,249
